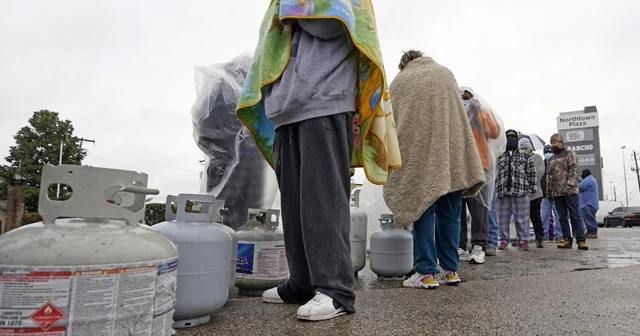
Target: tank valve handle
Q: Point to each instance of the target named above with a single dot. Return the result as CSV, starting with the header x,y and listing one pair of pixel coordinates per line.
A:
x,y
386,221
269,218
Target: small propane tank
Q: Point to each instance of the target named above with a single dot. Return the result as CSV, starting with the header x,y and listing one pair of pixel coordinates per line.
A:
x,y
262,262
205,256
89,267
214,210
391,251
358,235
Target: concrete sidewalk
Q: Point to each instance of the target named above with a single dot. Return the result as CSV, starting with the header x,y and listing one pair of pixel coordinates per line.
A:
x,y
542,292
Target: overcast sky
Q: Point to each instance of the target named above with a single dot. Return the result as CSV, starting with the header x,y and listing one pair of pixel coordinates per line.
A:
x,y
122,71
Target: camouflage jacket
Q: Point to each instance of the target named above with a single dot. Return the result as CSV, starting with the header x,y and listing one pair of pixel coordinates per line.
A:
x,y
563,174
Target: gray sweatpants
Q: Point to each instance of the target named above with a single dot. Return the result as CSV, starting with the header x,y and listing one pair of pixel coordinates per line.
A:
x,y
312,167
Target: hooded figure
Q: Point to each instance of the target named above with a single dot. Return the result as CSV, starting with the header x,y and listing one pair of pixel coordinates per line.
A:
x,y
535,199
442,165
489,137
316,103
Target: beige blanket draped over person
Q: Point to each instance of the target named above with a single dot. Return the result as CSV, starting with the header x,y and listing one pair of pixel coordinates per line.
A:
x,y
441,165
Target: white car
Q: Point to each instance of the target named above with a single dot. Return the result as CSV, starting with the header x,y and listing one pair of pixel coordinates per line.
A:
x,y
605,208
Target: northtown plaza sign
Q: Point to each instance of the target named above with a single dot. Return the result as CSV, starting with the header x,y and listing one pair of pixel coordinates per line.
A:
x,y
580,130
578,121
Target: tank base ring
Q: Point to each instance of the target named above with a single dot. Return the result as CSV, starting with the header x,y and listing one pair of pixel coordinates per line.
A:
x,y
191,322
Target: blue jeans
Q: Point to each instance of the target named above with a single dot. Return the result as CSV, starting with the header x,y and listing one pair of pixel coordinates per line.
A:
x,y
436,235
569,208
494,228
588,215
545,211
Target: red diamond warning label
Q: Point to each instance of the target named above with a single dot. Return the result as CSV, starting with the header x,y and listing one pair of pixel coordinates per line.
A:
x,y
47,316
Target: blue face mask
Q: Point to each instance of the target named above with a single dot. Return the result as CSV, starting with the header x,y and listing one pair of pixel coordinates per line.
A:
x,y
467,104
548,156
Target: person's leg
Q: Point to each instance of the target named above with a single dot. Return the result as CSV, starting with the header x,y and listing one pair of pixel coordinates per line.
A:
x,y
479,223
504,218
425,257
563,213
464,238
556,221
325,156
545,215
447,214
521,218
576,220
297,289
494,228
536,218
590,219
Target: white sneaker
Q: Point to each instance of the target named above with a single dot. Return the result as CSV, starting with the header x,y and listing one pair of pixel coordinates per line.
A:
x,y
421,281
320,308
477,256
271,296
463,254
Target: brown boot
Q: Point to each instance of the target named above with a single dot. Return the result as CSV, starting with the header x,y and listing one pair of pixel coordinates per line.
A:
x,y
565,244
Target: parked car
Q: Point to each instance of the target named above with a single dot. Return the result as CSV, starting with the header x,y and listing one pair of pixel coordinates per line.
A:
x,y
623,216
605,208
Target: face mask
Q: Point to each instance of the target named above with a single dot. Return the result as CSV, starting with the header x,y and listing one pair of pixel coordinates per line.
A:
x,y
466,104
512,144
527,150
557,150
548,156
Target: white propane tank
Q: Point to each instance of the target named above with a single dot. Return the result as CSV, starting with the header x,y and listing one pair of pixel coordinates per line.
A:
x,y
88,268
358,235
391,254
262,262
205,256
214,210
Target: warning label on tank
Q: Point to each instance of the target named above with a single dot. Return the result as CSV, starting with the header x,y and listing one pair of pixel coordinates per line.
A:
x,y
262,260
105,300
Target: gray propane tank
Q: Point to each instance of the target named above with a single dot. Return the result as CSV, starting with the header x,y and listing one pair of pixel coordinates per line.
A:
x,y
89,268
391,253
214,210
205,256
262,262
358,235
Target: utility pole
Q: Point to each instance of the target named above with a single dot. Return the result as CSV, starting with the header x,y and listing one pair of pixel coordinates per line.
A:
x,y
610,189
60,159
635,158
624,164
615,196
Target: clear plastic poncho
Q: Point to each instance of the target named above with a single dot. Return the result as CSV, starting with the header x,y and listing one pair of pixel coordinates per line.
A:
x,y
488,126
235,171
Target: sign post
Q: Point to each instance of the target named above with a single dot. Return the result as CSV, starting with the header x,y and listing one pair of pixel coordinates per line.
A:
x,y
581,132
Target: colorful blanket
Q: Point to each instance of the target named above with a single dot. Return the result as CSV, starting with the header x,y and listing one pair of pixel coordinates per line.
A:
x,y
375,146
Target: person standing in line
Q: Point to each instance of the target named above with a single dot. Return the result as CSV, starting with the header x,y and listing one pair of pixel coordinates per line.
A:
x,y
494,228
563,190
535,199
548,208
589,203
308,88
435,137
485,126
516,181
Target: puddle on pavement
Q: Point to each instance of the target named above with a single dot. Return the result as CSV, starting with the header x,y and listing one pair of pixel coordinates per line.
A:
x,y
623,259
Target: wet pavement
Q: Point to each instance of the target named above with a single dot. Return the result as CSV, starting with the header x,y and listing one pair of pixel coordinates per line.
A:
x,y
545,291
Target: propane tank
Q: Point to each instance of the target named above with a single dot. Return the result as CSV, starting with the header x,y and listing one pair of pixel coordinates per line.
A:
x,y
214,210
262,262
205,256
358,235
89,268
391,251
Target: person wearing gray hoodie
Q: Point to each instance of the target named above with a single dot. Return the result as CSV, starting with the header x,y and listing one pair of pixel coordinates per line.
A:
x,y
312,107
535,199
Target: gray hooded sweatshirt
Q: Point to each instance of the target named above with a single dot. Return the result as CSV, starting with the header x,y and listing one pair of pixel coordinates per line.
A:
x,y
321,78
